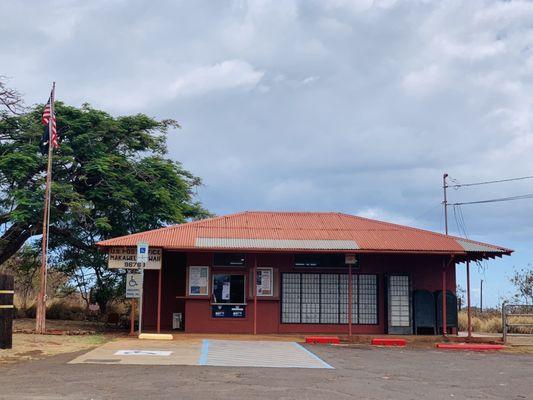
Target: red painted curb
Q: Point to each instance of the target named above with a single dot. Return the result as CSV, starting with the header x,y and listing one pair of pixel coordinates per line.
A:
x,y
389,342
322,339
469,346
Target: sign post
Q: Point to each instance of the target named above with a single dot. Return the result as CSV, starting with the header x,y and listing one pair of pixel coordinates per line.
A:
x,y
132,318
134,290
142,260
7,292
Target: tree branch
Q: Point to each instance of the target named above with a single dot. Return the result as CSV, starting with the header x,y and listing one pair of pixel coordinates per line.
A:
x,y
13,238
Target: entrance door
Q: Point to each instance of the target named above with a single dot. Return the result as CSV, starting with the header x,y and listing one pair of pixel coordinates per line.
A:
x,y
399,302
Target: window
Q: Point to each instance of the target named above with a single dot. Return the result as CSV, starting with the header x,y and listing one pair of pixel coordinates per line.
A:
x,y
310,298
228,289
229,260
323,298
399,301
291,298
319,260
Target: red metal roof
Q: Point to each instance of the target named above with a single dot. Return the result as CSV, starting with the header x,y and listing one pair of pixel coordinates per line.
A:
x,y
278,231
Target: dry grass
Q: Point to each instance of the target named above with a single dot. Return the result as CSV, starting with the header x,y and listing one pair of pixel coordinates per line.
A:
x,y
34,347
491,322
22,325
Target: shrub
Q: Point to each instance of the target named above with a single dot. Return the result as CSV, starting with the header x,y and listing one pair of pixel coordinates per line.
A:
x,y
30,312
62,310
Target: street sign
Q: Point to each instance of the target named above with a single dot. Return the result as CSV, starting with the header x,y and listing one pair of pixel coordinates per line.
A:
x,y
142,252
134,285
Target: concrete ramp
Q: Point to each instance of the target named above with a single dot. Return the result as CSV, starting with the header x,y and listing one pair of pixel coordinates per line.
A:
x,y
236,353
207,352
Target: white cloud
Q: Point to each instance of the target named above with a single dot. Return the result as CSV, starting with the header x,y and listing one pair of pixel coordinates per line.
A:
x,y
229,74
384,215
426,80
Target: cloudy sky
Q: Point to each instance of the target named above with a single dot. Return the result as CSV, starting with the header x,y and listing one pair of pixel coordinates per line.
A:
x,y
327,105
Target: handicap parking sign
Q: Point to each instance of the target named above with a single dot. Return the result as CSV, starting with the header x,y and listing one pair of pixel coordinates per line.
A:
x,y
134,285
142,252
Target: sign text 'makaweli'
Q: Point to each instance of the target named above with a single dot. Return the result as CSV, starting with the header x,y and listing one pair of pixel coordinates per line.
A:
x,y
126,257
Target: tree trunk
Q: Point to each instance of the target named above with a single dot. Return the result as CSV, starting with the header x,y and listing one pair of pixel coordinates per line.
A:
x,y
13,239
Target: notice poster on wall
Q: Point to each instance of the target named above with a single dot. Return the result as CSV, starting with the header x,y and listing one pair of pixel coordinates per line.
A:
x,y
226,286
198,281
265,281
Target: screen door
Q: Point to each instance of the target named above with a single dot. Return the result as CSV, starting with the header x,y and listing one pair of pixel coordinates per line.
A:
x,y
399,302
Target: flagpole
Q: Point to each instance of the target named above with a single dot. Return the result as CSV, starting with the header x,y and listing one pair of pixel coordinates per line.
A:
x,y
40,320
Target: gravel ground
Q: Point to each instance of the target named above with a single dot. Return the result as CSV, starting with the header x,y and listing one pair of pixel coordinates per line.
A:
x,y
35,347
363,373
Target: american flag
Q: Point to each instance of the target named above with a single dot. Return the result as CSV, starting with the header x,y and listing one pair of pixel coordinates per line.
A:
x,y
49,118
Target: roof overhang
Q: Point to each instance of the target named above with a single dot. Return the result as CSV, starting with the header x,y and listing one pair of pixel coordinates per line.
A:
x,y
204,247
292,232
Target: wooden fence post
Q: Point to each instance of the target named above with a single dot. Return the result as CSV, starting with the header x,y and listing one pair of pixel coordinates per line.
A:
x,y
6,311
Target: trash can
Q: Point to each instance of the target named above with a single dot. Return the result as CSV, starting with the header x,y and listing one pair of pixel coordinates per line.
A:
x,y
424,312
176,320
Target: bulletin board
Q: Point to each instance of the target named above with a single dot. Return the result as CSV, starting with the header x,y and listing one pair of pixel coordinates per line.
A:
x,y
198,281
265,282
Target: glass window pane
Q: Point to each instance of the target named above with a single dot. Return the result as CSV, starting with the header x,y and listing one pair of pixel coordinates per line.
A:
x,y
228,288
323,298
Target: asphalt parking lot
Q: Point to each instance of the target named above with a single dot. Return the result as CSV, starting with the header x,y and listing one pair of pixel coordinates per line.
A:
x,y
363,373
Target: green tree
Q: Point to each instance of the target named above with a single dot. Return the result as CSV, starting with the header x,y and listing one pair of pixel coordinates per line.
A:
x,y
24,266
523,282
111,177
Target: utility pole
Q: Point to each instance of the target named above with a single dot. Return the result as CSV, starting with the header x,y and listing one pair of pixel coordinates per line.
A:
x,y
445,202
469,309
481,297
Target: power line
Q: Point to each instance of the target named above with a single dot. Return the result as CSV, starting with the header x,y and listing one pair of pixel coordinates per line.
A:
x,y
460,221
458,185
521,197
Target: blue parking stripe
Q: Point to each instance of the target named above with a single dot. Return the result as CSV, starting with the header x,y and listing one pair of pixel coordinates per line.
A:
x,y
325,364
204,352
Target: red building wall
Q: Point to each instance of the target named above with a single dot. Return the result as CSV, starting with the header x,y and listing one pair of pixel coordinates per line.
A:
x,y
425,272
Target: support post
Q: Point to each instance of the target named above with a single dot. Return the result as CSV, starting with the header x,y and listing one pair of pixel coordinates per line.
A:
x,y
504,323
481,297
159,284
132,317
350,300
7,292
141,302
468,309
255,294
445,202
444,327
